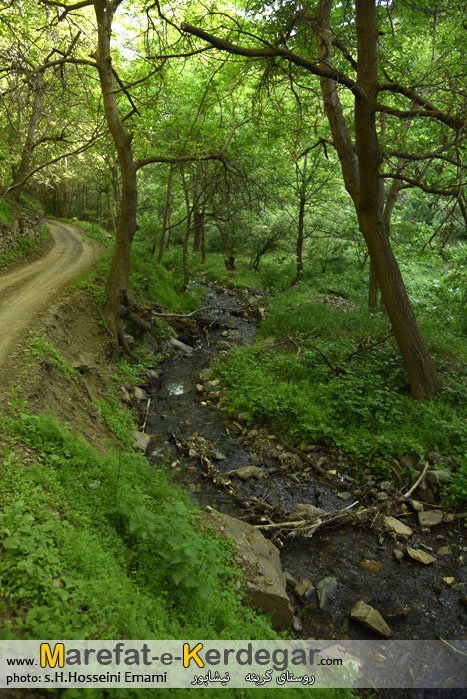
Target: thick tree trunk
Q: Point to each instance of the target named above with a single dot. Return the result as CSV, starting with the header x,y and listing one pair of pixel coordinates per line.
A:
x,y
165,222
422,373
118,303
372,289
361,177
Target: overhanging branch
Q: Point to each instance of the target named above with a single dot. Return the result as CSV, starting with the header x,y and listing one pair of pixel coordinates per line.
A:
x,y
272,52
429,189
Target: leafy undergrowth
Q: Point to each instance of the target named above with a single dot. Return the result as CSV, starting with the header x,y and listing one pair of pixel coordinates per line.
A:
x,y
101,546
330,381
150,282
40,348
6,210
105,546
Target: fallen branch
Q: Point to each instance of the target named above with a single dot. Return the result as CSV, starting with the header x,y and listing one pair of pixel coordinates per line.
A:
x,y
189,315
364,348
306,458
307,527
294,342
148,405
283,341
321,353
262,511
417,482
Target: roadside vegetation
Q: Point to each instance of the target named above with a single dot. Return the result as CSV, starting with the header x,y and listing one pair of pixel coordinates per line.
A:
x,y
312,151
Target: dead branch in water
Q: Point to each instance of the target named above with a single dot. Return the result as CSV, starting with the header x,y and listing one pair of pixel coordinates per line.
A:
x,y
198,310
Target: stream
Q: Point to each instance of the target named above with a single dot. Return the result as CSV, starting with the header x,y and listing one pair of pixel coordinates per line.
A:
x,y
413,598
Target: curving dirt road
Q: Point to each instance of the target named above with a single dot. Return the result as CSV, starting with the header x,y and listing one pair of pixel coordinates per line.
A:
x,y
27,291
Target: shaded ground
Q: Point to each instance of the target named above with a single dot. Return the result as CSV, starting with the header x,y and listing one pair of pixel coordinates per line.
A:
x,y
412,597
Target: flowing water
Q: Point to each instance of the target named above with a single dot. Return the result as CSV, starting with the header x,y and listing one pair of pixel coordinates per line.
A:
x,y
412,597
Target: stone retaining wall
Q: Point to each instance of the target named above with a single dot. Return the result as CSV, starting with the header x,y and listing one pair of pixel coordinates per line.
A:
x,y
25,224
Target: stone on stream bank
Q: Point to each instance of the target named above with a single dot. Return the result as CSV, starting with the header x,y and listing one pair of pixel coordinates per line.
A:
x,y
325,589
248,472
430,518
139,393
140,440
371,618
178,345
259,561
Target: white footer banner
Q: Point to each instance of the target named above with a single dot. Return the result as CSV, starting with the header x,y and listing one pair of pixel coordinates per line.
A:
x,y
232,664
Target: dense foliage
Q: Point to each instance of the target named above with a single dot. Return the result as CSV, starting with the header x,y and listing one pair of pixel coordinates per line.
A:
x,y
243,141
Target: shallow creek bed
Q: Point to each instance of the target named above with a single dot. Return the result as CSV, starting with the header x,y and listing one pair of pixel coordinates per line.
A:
x,y
246,472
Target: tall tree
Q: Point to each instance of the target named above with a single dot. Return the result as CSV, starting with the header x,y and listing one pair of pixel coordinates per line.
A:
x,y
360,162
118,306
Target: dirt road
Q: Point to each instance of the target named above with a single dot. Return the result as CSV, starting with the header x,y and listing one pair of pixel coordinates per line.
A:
x,y
27,291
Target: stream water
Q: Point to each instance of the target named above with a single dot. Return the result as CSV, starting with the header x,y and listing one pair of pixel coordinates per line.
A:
x,y
412,597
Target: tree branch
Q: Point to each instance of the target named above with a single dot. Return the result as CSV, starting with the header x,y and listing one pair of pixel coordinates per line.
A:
x,y
66,8
427,109
436,155
345,52
272,52
81,148
178,159
453,191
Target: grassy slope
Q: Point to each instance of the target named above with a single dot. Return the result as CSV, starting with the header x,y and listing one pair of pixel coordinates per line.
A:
x,y
97,544
361,403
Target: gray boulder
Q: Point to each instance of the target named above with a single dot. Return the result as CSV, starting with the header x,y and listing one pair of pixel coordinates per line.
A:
x,y
260,564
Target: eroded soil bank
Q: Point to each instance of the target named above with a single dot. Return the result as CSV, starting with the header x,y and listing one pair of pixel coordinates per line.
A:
x,y
360,559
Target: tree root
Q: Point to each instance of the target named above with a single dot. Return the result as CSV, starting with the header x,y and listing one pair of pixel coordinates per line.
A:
x,y
115,312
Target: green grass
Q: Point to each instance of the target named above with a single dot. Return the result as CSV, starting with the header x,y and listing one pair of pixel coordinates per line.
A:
x,y
7,210
361,403
92,231
104,546
270,275
40,348
155,281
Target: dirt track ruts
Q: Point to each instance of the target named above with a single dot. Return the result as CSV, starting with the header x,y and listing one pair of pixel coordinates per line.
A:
x,y
26,291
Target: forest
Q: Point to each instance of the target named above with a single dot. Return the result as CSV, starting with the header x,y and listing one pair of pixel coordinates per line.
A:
x,y
252,224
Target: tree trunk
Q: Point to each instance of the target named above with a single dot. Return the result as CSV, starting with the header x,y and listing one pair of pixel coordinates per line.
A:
x,y
24,167
168,202
118,303
463,209
372,289
422,373
229,257
186,270
198,229
197,213
203,241
110,211
361,178
301,224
